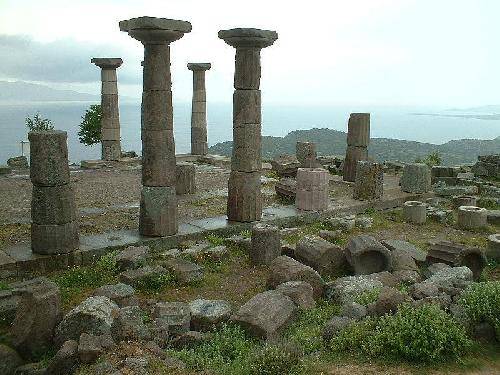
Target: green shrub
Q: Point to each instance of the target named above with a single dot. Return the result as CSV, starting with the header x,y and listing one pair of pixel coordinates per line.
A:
x,y
481,302
275,360
38,123
353,337
368,296
156,283
215,240
90,127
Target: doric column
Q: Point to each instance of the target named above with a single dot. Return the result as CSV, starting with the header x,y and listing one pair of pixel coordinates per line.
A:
x,y
110,120
158,212
199,145
244,197
358,138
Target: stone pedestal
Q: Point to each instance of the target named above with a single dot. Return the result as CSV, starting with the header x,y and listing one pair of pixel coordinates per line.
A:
x,y
414,212
185,178
158,212
54,228
199,145
369,183
493,250
244,197
358,139
471,217
110,120
306,154
265,245
464,200
416,178
312,189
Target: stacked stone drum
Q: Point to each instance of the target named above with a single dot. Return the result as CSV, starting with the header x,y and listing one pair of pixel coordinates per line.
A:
x,y
358,139
54,228
312,189
199,145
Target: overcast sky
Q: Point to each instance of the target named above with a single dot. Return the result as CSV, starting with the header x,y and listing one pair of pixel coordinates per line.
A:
x,y
387,52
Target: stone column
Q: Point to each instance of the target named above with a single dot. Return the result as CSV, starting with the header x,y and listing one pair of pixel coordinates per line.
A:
x,y
110,120
369,181
158,211
199,145
54,228
244,197
358,138
306,154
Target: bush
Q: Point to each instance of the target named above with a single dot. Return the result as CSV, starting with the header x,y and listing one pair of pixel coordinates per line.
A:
x,y
38,123
424,334
481,302
276,360
90,127
432,159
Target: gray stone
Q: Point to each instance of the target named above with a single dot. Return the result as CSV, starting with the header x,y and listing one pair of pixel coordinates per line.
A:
x,y
334,326
187,340
266,314
471,217
53,204
407,276
135,365
494,217
174,315
5,169
306,154
346,223
493,250
449,191
91,347
464,200
364,222
416,178
35,368
435,268
415,212
351,288
358,130
320,254
283,269
389,301
265,244
353,310
66,359
185,271
300,292
9,360
402,261
369,181
54,238
330,235
285,165
246,154
185,178
18,162
121,294
136,277
457,255
417,254
129,325
216,254
132,257
93,316
158,211
484,332
366,255
205,314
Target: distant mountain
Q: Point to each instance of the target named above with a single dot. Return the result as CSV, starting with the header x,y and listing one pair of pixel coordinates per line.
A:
x,y
30,92
333,142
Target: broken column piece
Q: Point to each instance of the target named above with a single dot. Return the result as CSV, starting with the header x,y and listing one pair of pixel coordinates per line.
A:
x,y
312,189
358,139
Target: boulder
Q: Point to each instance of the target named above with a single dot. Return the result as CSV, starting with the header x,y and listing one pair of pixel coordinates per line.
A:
x,y
176,316
388,301
266,314
366,255
286,188
345,223
34,368
65,361
265,244
18,162
136,277
121,294
417,254
185,272
353,310
285,165
129,325
283,269
90,347
457,255
403,261
334,326
351,288
188,339
205,314
9,360
132,257
300,292
330,235
416,178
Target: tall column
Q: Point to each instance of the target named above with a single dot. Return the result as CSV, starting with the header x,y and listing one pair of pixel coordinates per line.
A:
x,y
199,145
110,120
244,201
358,138
158,211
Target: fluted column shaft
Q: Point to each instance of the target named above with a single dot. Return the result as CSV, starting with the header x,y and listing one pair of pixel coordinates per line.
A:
x,y
199,143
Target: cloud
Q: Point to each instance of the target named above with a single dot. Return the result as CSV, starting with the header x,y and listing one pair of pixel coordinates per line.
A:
x,y
60,61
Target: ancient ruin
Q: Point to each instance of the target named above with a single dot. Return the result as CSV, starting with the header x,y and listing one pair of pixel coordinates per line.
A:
x,y
312,189
199,145
110,118
244,201
358,139
369,181
306,154
158,216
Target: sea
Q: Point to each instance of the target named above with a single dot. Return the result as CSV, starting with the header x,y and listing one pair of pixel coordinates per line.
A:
x,y
423,124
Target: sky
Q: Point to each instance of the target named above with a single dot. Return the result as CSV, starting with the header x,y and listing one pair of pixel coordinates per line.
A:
x,y
333,52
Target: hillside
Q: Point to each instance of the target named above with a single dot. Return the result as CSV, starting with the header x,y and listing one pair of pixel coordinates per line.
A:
x,y
30,92
333,142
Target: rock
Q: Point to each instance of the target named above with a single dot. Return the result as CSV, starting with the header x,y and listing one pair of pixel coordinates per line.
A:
x,y
9,360
129,325
484,332
135,365
416,178
5,169
457,255
185,271
104,368
265,244
188,339
350,288
471,217
93,316
216,253
450,191
417,254
35,368
493,250
458,277
442,300
366,255
205,314
435,268
320,254
175,315
386,278
330,235
38,313
91,347
407,277
132,257
369,181
8,305
284,232
300,292
288,249
423,290
283,269
66,359
388,301
493,217
353,310
121,294
266,314
159,329
239,241
136,277
285,165
402,261
286,188
363,222
346,223
414,212
18,162
334,326
197,249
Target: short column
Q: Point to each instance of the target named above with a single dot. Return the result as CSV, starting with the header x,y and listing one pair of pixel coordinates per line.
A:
x,y
369,182
110,118
158,211
54,228
312,189
306,154
199,144
358,139
416,178
244,196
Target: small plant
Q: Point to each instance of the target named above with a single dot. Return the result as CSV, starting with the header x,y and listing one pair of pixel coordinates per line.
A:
x,y
38,123
90,127
4,285
431,160
481,302
368,296
156,283
215,239
276,359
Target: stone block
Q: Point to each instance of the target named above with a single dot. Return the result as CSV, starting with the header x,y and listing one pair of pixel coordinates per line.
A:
x,y
110,150
198,120
352,156
246,107
199,96
108,75
138,276
185,178
369,181
53,204
246,156
493,250
320,254
312,200
312,179
285,165
205,314
132,257
358,130
247,69
121,294
471,217
18,162
49,158
244,201
366,255
199,107
265,244
416,178
158,158
306,154
54,238
300,292
199,134
156,72
415,212
158,211
175,315
464,200
157,111
185,272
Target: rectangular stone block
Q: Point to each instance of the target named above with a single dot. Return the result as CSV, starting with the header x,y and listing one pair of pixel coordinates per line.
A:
x,y
246,155
53,204
156,72
185,178
352,156
247,68
199,148
244,202
54,239
111,150
158,158
312,200
49,158
369,183
157,111
112,134
108,75
158,212
109,88
246,107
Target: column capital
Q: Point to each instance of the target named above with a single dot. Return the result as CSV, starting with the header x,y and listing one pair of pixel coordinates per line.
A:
x,y
107,62
199,66
152,30
248,37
